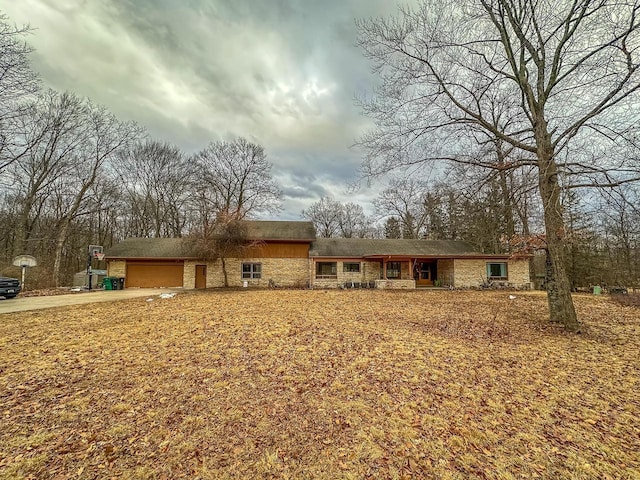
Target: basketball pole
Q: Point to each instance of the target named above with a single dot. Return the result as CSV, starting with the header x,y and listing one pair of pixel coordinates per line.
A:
x,y
89,258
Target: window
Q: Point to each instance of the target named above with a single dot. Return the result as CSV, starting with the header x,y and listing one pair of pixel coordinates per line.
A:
x,y
251,270
351,267
326,270
497,271
393,270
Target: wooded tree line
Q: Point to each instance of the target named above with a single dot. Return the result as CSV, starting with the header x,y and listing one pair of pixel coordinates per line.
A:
x,y
72,174
512,86
603,229
494,119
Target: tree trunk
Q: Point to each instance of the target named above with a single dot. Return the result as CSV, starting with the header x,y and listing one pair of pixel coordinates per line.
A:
x,y
561,308
224,272
510,224
507,195
60,241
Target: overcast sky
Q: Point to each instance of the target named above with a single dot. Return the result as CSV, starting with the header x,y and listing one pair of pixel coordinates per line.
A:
x,y
282,73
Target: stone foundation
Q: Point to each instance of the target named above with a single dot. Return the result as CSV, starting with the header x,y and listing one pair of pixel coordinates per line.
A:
x,y
396,284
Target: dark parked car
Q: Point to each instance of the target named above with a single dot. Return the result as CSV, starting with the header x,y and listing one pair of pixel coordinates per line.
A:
x,y
9,287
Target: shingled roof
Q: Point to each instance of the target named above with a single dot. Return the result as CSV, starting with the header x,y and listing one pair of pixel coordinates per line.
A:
x,y
280,230
180,248
365,247
150,248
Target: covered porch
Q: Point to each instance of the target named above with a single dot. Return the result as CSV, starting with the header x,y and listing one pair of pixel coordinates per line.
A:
x,y
402,271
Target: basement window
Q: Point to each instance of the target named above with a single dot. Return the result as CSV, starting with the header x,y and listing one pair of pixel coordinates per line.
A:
x,y
326,270
351,267
497,271
251,270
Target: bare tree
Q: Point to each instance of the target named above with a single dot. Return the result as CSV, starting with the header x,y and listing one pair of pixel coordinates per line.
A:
x,y
563,74
102,136
404,199
53,127
392,228
17,81
334,219
353,222
228,237
620,234
70,142
157,180
325,215
236,181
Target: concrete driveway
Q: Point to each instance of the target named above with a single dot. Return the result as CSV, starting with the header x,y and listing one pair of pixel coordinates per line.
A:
x,y
80,298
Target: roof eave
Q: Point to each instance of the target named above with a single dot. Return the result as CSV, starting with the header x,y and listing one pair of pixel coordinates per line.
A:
x,y
122,257
283,240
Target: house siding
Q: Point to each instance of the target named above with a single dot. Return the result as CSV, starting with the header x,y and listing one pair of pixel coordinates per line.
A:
x,y
189,275
519,275
117,268
369,271
445,275
473,272
285,272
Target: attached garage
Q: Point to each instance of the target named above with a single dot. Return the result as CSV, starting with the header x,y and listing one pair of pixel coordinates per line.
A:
x,y
154,274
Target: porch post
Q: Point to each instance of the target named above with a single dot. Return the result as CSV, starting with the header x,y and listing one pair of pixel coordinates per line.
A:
x,y
384,269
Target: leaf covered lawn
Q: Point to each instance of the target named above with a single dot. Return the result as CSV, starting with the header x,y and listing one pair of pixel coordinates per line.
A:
x,y
320,384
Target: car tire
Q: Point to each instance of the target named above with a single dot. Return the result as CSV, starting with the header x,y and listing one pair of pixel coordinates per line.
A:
x,y
9,297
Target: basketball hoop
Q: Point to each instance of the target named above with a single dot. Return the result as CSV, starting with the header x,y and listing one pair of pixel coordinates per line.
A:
x,y
99,256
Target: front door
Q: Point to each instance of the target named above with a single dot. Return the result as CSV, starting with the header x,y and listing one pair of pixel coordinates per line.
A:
x,y
423,274
201,276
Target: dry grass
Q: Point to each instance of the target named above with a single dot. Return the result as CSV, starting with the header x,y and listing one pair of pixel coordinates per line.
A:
x,y
630,299
312,384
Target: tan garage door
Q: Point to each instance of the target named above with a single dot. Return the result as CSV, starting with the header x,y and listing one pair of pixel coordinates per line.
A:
x,y
154,274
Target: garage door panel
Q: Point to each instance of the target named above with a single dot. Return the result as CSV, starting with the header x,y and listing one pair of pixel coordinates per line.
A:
x,y
154,274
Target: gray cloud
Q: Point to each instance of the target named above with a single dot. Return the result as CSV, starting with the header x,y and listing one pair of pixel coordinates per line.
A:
x,y
282,73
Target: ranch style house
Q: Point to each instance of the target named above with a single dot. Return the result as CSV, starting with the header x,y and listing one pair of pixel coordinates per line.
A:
x,y
288,254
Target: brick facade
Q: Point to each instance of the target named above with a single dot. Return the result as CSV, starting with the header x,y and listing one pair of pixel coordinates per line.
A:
x,y
404,284
284,272
369,272
116,268
189,275
519,274
445,272
301,272
470,273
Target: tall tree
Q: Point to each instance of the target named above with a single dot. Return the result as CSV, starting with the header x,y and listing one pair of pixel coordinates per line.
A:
x,y
325,215
620,238
17,81
236,180
404,199
353,221
561,73
157,180
101,137
53,127
392,228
